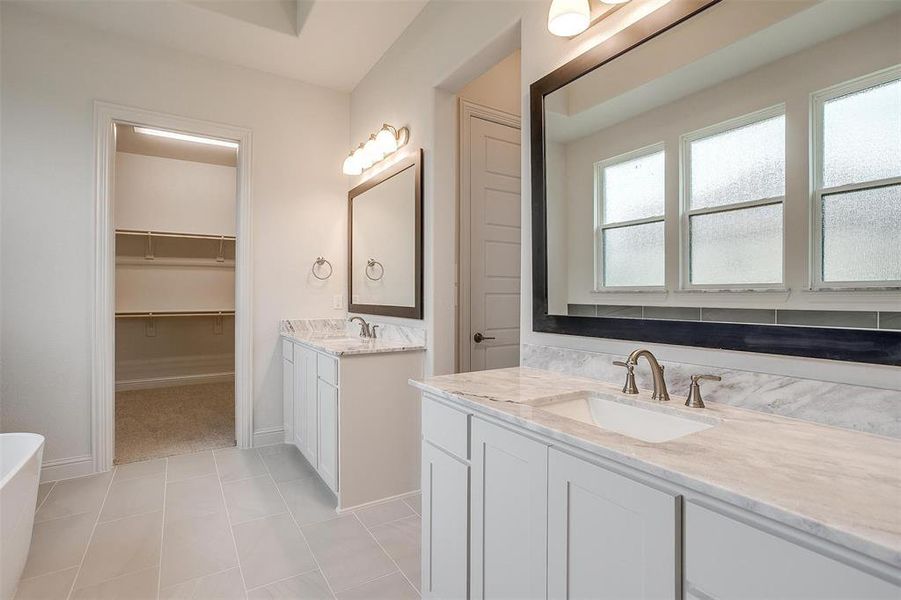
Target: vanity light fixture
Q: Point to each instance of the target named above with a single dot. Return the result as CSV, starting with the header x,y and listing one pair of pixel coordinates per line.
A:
x,y
568,17
376,148
184,137
614,1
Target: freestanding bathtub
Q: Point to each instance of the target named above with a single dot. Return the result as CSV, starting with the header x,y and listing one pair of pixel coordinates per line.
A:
x,y
20,473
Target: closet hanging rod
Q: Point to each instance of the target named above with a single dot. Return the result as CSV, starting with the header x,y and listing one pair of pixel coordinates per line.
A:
x,y
173,234
174,313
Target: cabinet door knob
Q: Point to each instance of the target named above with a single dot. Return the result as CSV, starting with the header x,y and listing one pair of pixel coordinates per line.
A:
x,y
478,338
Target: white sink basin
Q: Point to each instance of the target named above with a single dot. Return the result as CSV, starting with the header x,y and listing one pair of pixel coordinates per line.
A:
x,y
636,419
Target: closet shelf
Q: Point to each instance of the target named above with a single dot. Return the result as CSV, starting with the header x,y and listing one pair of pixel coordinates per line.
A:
x,y
175,262
174,313
174,234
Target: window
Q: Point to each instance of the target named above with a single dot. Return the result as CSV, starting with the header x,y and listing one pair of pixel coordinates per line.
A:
x,y
857,183
629,196
733,192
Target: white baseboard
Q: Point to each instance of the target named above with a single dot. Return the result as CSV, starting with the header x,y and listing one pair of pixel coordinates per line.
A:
x,y
269,437
175,380
67,468
376,502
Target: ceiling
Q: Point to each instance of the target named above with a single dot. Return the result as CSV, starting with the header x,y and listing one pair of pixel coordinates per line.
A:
x,y
331,43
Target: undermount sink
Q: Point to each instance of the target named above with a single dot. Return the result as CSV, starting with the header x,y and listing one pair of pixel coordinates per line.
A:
x,y
649,423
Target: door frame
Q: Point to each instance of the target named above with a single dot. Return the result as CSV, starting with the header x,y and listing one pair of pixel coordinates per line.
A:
x,y
103,422
467,111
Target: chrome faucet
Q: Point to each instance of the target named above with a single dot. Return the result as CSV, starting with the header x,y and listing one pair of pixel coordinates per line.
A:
x,y
367,330
660,392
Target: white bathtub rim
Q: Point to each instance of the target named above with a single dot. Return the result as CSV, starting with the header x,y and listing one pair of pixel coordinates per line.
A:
x,y
14,470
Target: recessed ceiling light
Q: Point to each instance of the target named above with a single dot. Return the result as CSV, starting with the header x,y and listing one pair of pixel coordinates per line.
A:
x,y
184,137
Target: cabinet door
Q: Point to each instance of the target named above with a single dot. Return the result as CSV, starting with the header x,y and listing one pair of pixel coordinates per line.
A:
x,y
299,403
288,399
609,537
328,435
509,514
310,446
445,525
730,560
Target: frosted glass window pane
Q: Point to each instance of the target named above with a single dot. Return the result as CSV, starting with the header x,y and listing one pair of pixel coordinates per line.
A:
x,y
747,163
633,255
862,235
737,246
862,136
634,189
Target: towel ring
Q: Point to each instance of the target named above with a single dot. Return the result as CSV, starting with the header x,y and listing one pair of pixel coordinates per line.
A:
x,y
371,263
318,263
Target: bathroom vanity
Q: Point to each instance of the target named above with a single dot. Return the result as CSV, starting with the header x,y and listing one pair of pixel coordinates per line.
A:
x,y
348,408
540,485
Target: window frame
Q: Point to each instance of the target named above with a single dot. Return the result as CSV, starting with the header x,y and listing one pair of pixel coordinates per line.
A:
x,y
818,192
686,212
600,226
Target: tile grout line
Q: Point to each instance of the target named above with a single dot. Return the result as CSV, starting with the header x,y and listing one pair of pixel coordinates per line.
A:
x,y
93,531
231,530
50,491
259,587
299,530
392,521
388,554
159,572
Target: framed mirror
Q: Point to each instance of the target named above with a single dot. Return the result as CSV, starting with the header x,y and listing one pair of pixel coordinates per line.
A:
x,y
385,242
726,175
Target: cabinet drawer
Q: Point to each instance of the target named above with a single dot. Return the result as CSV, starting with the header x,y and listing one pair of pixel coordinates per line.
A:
x,y
725,558
288,350
327,368
445,427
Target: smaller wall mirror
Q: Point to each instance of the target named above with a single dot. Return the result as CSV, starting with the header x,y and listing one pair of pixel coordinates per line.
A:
x,y
385,242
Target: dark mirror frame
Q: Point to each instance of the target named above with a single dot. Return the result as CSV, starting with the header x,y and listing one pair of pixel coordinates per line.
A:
x,y
865,346
409,312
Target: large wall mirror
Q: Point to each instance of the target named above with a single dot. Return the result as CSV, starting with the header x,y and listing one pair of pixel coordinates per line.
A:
x,y
727,175
385,242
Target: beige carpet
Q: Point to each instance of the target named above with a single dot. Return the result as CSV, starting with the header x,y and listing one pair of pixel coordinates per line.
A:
x,y
175,420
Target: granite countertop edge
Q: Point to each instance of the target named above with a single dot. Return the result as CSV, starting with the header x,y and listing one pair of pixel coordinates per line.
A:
x,y
863,545
376,347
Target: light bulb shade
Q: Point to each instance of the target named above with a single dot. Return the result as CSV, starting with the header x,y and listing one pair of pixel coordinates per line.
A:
x,y
351,165
362,157
568,17
386,140
372,150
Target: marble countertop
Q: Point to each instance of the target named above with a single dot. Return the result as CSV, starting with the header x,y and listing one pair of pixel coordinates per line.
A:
x,y
340,338
836,484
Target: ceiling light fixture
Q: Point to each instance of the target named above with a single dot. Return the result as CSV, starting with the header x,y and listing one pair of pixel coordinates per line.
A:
x,y
376,148
568,17
184,137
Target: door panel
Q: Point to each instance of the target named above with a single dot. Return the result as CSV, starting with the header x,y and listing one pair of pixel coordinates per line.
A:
x,y
494,252
609,537
509,514
445,525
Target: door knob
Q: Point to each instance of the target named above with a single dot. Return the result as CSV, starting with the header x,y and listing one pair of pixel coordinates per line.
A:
x,y
478,337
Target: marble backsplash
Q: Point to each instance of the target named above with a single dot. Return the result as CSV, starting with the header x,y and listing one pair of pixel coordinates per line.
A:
x,y
866,409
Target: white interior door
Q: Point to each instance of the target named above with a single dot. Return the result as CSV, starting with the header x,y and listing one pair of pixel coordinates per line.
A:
x,y
494,274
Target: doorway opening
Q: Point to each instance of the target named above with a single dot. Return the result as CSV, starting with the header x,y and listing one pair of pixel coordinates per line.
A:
x,y
172,325
490,219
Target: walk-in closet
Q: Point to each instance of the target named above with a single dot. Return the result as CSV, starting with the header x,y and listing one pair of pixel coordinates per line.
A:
x,y
175,204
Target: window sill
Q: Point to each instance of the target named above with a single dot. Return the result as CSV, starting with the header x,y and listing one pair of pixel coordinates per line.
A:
x,y
752,290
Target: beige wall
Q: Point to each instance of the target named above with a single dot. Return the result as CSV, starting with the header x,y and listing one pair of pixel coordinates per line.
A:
x,y
52,71
498,87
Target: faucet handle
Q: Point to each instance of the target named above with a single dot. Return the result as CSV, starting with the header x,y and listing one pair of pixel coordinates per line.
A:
x,y
372,329
694,399
629,387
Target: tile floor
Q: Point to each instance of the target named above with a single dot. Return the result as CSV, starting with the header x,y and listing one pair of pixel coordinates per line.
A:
x,y
224,524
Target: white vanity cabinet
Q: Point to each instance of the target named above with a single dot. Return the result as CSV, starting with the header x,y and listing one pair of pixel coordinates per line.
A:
x,y
509,513
608,535
728,559
355,419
